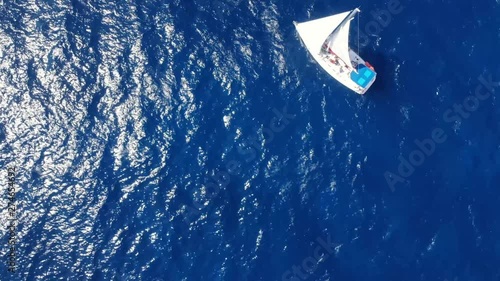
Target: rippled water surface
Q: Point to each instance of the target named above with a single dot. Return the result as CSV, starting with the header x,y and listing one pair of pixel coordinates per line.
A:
x,y
198,140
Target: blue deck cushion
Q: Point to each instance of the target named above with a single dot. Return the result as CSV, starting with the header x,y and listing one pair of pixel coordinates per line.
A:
x,y
363,77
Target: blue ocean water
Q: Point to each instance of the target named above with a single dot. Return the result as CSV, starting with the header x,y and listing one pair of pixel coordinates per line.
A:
x,y
198,140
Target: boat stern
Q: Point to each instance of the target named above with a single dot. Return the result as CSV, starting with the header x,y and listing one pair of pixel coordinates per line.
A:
x,y
363,78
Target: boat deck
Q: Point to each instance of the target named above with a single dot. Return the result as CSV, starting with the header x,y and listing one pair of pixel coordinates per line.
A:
x,y
359,80
363,77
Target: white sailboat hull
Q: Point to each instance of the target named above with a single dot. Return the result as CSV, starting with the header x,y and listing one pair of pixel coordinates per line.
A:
x,y
342,64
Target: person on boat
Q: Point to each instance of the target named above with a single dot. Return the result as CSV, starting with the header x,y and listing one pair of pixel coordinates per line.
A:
x,y
335,60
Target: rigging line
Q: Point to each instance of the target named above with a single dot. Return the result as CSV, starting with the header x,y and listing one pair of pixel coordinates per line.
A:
x,y
358,40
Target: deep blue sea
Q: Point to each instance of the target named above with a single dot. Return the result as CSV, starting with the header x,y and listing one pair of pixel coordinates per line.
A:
x,y
190,140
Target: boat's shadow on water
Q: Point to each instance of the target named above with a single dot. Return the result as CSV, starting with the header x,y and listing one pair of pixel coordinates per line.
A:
x,y
384,86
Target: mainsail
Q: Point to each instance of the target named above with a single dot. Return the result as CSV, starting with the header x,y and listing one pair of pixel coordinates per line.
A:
x,y
332,30
338,41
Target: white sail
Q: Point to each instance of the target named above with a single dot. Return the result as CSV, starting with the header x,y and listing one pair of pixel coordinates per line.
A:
x,y
339,42
314,33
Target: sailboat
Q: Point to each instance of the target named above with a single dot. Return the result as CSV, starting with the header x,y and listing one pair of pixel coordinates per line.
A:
x,y
327,39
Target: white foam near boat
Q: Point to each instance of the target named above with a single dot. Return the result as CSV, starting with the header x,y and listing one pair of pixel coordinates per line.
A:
x,y
327,39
